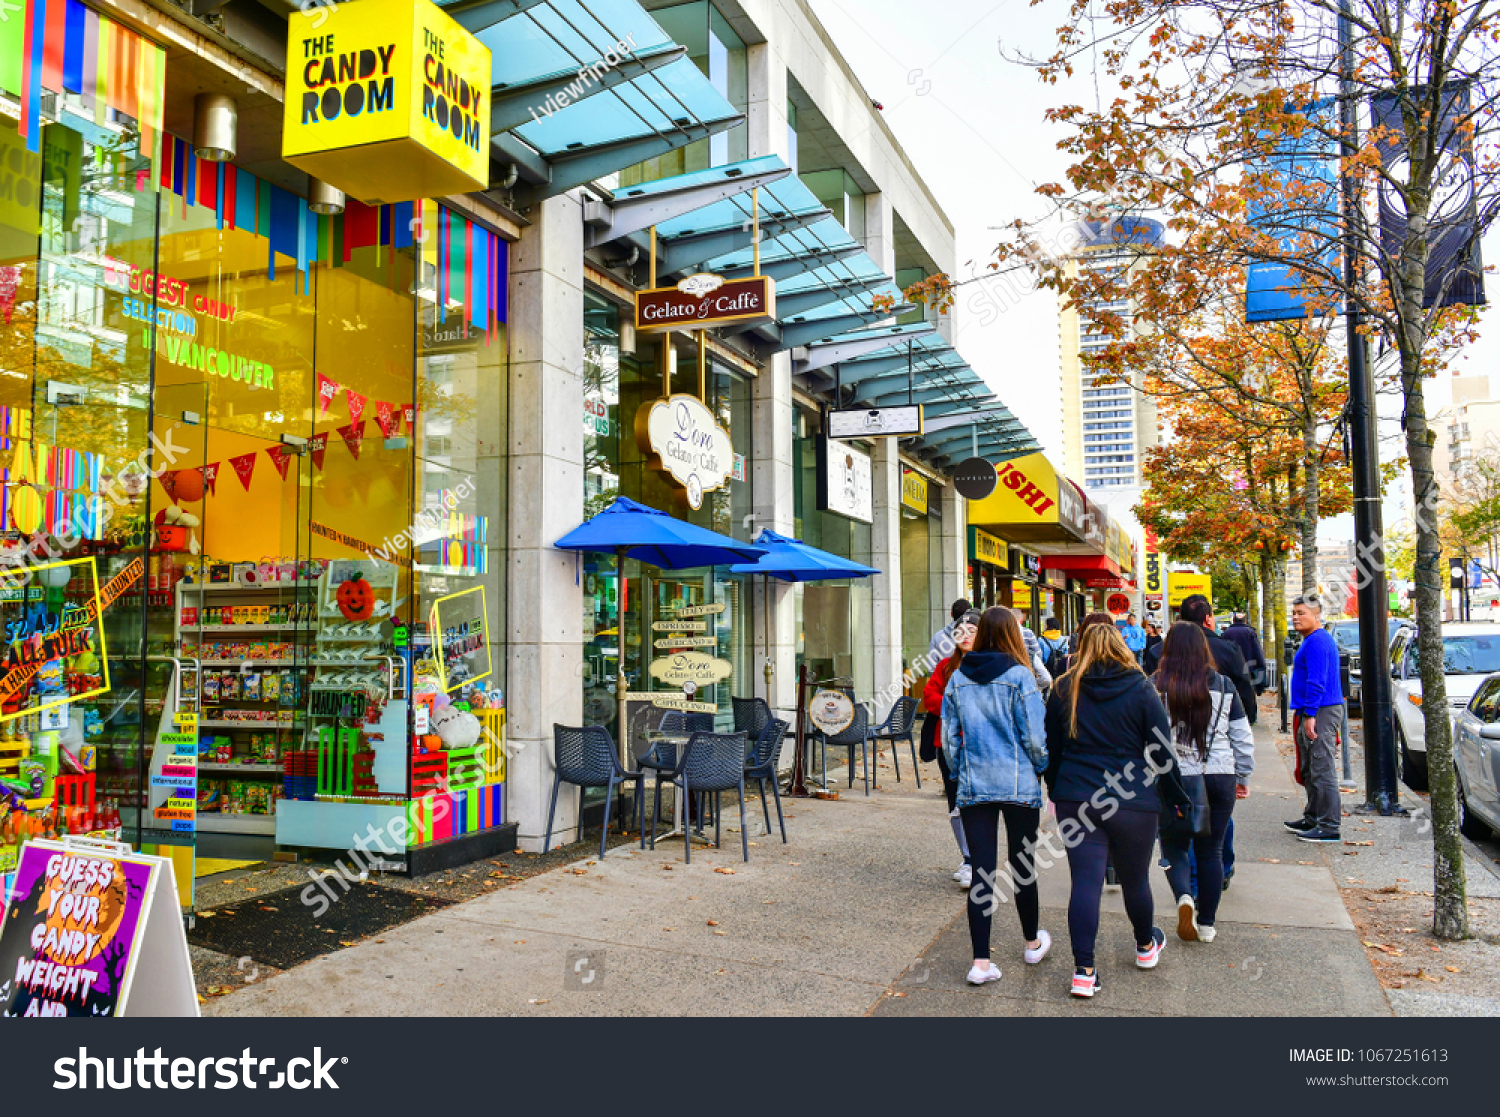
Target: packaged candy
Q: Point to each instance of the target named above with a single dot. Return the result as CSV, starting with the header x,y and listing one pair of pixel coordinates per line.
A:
x,y
211,687
269,750
210,796
270,686
229,686
250,686
225,751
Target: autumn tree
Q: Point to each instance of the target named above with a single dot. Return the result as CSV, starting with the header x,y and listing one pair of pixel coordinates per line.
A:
x,y
1246,124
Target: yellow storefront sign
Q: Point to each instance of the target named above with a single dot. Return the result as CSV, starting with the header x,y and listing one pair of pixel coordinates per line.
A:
x,y
1182,584
984,547
1020,595
1025,493
388,100
914,491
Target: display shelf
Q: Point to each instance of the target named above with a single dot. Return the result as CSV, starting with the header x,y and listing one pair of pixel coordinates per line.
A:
x,y
280,664
215,822
305,626
251,725
236,587
256,769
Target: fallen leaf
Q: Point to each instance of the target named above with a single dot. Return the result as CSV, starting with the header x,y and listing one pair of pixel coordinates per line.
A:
x,y
520,942
343,943
794,863
713,922
718,972
669,928
898,994
1408,930
540,1001
1351,880
207,914
1452,969
267,907
768,901
667,868
1359,843
579,872
721,932
726,872
1391,950
1425,976
1270,860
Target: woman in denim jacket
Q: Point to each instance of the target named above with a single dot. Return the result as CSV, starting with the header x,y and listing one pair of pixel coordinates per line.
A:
x,y
995,744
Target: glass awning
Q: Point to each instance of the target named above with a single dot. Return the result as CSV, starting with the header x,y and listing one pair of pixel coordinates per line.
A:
x,y
582,89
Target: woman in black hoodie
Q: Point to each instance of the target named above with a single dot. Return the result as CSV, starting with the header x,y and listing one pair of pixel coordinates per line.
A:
x,y
1108,737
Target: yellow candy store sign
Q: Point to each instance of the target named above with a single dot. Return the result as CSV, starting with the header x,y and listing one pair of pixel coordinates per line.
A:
x,y
388,100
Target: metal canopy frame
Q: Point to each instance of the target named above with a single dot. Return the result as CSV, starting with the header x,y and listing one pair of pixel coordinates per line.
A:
x,y
634,209
513,105
847,347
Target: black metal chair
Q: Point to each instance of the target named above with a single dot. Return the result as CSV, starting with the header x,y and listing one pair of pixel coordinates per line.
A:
x,y
662,756
762,767
857,736
751,716
898,727
586,756
710,763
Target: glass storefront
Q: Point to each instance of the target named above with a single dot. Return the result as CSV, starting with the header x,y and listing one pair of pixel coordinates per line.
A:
x,y
923,610
616,386
275,443
835,620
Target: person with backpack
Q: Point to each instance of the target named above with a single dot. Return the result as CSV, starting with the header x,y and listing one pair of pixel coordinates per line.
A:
x,y
1108,743
964,629
1054,645
993,737
1216,756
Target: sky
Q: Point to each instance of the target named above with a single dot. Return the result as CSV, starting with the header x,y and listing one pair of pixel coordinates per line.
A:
x,y
971,120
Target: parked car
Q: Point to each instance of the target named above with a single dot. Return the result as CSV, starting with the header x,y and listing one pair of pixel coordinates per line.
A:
x,y
1471,653
1346,635
1476,753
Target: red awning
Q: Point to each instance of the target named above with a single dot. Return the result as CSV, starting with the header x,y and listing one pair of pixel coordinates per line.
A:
x,y
1081,565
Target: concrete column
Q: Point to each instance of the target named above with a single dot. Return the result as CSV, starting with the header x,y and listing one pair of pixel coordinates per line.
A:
x,y
545,615
773,417
885,556
955,547
880,232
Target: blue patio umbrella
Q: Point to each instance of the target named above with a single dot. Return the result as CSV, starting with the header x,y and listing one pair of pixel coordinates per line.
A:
x,y
627,529
792,560
650,535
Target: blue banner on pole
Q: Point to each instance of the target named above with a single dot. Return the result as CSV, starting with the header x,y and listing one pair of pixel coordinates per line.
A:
x,y
1298,205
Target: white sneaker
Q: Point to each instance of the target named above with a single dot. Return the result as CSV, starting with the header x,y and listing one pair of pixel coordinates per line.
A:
x,y
980,977
1206,934
1035,956
964,875
1187,919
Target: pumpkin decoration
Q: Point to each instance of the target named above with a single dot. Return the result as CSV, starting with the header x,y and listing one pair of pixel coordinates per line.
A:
x,y
356,600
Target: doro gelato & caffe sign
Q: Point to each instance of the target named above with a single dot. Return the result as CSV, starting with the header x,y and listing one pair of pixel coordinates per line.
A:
x,y
686,442
700,301
690,667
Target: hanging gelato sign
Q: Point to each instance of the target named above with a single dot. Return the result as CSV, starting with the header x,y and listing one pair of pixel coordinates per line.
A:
x,y
388,100
687,444
701,301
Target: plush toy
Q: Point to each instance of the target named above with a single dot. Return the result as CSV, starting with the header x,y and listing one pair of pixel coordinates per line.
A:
x,y
170,517
356,600
458,729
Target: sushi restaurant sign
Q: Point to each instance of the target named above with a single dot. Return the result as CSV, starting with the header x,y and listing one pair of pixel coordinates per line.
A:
x,y
388,100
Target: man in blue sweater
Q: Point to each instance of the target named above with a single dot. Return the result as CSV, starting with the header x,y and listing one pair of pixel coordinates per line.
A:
x,y
1135,636
1316,697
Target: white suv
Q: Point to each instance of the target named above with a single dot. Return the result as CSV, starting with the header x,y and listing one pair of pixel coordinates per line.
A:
x,y
1471,652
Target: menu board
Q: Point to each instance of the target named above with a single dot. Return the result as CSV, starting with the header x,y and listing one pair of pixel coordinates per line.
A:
x,y
93,930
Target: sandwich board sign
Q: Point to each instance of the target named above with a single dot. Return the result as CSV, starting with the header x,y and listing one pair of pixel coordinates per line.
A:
x,y
92,929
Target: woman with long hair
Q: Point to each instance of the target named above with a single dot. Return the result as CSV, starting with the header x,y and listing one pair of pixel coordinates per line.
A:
x,y
1106,731
993,736
964,629
1215,749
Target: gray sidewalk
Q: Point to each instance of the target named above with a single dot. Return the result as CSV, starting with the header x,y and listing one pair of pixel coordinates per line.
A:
x,y
858,915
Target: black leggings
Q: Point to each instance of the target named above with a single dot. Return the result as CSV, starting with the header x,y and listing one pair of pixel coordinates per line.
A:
x,y
950,784
982,829
1209,851
1125,839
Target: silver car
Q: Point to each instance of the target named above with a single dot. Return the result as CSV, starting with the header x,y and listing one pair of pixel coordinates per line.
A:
x,y
1476,752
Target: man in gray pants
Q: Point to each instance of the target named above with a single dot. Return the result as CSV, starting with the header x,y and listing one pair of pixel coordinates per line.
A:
x,y
1317,697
